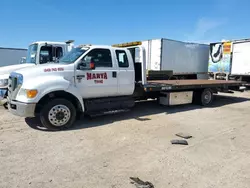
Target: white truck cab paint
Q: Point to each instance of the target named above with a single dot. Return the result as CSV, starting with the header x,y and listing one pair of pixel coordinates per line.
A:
x,y
87,72
39,52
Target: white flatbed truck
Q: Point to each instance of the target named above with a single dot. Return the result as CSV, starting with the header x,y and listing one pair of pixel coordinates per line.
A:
x,y
94,79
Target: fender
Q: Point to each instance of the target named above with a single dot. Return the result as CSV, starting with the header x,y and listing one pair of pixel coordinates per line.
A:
x,y
48,84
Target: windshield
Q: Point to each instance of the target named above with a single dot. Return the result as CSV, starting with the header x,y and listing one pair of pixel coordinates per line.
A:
x,y
31,55
73,55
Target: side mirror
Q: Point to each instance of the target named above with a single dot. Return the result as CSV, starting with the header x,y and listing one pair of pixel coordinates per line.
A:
x,y
23,60
86,65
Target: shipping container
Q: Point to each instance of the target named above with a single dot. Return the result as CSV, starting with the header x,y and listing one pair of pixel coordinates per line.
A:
x,y
11,56
186,60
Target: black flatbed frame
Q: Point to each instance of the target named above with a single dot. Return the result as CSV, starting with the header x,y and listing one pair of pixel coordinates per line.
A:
x,y
177,85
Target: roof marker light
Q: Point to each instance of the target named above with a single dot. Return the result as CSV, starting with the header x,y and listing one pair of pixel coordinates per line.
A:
x,y
127,44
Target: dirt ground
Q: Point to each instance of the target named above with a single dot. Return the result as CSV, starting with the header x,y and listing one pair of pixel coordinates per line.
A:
x,y
105,151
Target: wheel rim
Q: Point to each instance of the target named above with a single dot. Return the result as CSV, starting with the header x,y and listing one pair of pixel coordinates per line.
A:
x,y
207,97
59,115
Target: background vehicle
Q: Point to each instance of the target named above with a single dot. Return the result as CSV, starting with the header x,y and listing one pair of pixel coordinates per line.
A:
x,y
22,60
11,56
96,80
39,52
186,60
230,60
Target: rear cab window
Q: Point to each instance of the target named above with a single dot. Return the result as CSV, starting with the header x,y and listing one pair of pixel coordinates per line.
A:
x,y
122,58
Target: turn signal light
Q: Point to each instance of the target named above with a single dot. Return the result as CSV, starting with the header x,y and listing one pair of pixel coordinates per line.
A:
x,y
31,93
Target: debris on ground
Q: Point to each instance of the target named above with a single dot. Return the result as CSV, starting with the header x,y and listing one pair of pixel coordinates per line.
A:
x,y
181,142
141,184
184,135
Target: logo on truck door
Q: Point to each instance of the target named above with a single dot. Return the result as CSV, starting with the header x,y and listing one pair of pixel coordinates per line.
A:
x,y
97,77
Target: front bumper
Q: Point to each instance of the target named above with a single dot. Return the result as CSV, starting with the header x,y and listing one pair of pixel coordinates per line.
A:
x,y
21,109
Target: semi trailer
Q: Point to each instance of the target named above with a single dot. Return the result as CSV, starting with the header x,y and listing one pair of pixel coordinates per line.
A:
x,y
93,79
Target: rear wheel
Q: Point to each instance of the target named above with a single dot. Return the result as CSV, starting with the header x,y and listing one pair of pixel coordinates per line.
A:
x,y
58,114
204,97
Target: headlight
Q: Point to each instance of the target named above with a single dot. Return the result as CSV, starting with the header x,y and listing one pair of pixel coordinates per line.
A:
x,y
3,82
29,93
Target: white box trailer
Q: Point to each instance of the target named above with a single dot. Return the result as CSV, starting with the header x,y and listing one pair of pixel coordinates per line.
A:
x,y
186,60
11,56
241,58
230,60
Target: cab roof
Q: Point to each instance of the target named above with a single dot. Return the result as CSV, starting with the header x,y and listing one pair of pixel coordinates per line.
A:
x,y
98,46
48,42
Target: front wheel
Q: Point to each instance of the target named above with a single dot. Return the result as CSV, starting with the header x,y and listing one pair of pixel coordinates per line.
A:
x,y
58,114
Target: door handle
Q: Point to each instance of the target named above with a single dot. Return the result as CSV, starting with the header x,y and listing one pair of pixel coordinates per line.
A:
x,y
80,76
114,74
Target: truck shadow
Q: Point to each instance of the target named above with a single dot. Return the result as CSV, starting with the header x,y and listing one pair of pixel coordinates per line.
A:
x,y
139,112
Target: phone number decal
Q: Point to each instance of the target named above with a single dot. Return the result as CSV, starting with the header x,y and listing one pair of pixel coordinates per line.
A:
x,y
53,69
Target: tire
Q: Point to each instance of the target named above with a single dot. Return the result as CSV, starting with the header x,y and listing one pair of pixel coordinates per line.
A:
x,y
5,105
58,114
204,97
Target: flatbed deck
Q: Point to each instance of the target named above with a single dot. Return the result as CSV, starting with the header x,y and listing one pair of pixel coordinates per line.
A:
x,y
158,85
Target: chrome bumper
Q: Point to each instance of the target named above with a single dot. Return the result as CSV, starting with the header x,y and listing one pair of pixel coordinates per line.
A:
x,y
21,109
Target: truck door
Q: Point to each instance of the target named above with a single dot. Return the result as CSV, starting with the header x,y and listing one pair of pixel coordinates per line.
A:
x,y
126,76
100,81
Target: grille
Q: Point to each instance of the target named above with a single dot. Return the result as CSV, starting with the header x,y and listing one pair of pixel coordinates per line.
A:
x,y
12,83
10,86
13,86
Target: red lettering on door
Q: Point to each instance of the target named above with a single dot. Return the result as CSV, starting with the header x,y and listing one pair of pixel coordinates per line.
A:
x,y
105,75
89,76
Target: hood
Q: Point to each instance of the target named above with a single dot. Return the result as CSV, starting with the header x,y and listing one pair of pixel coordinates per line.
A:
x,y
6,70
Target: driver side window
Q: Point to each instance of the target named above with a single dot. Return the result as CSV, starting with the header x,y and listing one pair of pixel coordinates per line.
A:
x,y
45,54
100,57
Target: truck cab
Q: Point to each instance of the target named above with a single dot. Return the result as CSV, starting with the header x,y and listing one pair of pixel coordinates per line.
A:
x,y
47,51
39,52
88,79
